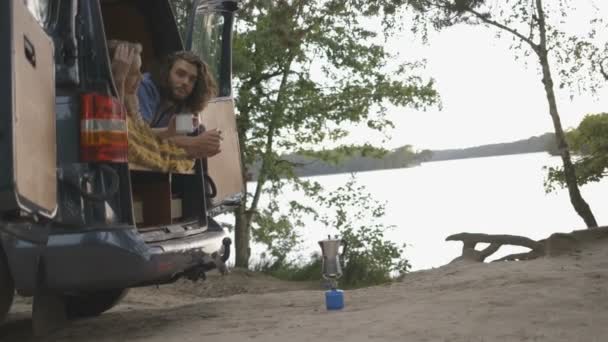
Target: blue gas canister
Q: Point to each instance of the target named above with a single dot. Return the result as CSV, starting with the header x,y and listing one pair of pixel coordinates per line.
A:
x,y
334,299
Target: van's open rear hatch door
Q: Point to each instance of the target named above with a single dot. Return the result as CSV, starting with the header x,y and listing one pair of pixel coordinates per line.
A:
x,y
210,38
225,168
27,113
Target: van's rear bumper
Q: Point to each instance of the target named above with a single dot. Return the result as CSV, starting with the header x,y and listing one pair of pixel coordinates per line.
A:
x,y
105,259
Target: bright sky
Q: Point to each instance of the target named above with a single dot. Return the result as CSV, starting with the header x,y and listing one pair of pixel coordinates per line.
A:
x,y
488,96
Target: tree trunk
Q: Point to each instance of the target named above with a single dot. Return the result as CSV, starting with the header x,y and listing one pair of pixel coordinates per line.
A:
x,y
242,229
579,204
242,235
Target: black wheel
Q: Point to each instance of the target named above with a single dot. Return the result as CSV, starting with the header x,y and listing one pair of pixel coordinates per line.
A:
x,y
7,288
93,304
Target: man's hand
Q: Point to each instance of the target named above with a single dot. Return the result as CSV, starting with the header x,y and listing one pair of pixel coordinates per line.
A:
x,y
205,145
168,132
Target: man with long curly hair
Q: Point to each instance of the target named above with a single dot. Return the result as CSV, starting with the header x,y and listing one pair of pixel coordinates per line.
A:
x,y
182,84
145,147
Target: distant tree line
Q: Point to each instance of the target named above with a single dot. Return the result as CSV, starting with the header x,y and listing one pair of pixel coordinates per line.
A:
x,y
406,156
542,143
401,157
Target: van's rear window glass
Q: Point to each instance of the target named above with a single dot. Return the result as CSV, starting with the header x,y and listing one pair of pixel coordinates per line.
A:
x,y
207,39
40,10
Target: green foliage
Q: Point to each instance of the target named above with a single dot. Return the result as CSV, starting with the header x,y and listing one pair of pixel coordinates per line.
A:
x,y
370,258
589,143
305,69
291,270
278,233
304,72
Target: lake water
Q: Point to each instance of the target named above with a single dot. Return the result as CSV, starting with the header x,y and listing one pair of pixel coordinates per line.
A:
x,y
494,195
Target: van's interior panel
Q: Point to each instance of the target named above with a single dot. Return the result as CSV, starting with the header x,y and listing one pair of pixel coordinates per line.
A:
x,y
142,21
186,194
161,199
151,198
225,168
34,136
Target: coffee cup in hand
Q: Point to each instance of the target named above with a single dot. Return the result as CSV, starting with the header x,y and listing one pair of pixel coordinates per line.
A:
x,y
183,123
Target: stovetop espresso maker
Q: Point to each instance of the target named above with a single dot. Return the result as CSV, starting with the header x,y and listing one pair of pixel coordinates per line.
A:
x,y
332,265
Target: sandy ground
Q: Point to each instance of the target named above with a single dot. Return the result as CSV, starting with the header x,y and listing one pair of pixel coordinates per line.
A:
x,y
551,299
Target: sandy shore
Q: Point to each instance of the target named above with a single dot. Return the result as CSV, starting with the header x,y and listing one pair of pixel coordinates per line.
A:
x,y
550,299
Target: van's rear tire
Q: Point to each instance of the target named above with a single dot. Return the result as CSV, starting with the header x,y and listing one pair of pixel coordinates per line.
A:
x,y
93,304
7,288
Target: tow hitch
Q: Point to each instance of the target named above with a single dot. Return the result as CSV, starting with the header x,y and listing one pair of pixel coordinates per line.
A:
x,y
220,260
215,261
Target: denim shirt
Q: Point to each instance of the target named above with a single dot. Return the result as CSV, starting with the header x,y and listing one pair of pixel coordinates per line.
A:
x,y
149,104
149,98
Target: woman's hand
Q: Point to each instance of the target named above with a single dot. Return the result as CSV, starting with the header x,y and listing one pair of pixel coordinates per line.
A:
x,y
172,128
121,63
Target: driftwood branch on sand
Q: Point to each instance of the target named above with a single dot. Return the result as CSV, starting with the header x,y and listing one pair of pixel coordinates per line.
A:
x,y
555,245
470,240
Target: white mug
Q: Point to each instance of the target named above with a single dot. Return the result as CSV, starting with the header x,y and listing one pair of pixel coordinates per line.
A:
x,y
184,123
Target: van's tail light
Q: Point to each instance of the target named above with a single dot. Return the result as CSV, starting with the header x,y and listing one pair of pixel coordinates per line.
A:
x,y
103,130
